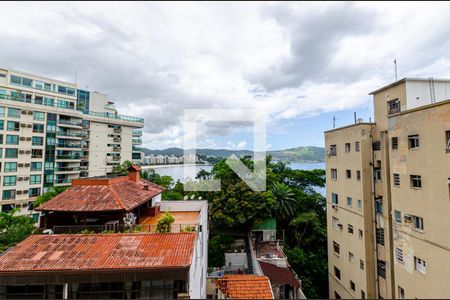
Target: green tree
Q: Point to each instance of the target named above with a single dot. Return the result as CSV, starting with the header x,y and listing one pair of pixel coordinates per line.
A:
x,y
123,168
164,224
14,229
284,201
218,245
52,192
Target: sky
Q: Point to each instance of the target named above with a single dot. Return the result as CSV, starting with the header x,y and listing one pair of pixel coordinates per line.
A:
x,y
302,63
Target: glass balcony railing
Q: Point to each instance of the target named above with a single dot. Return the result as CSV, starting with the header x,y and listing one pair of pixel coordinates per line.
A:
x,y
63,181
67,169
68,133
66,145
137,132
68,156
68,122
114,116
137,141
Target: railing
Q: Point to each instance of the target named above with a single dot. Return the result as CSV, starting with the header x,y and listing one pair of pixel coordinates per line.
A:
x,y
137,132
68,156
136,141
67,122
394,110
69,145
67,169
175,228
62,181
63,133
33,101
114,116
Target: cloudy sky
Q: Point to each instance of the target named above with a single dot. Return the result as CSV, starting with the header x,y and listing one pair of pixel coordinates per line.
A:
x,y
303,63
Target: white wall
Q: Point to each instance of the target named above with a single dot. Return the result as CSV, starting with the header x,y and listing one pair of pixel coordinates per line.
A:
x,y
418,93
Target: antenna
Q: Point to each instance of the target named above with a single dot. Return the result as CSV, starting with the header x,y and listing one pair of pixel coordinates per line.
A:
x,y
334,121
354,116
395,65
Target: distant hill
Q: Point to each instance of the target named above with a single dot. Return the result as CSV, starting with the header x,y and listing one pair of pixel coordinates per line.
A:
x,y
293,155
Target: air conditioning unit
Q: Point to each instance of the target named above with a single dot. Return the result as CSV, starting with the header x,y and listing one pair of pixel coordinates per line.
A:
x,y
23,112
20,165
30,112
26,178
407,218
25,192
19,192
27,152
22,138
340,225
29,126
27,165
335,206
19,178
23,125
21,151
28,139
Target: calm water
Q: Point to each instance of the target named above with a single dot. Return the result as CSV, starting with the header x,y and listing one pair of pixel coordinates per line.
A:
x,y
177,172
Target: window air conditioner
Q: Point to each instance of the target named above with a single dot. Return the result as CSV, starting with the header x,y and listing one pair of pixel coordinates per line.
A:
x,y
19,192
334,206
19,178
20,165
407,218
28,139
23,125
22,138
30,112
23,112
29,126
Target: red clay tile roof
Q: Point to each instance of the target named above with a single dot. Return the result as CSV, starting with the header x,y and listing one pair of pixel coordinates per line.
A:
x,y
281,275
99,252
245,287
89,195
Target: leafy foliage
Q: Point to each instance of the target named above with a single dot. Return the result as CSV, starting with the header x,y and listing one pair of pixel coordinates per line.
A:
x,y
14,229
284,200
48,195
218,245
123,168
164,224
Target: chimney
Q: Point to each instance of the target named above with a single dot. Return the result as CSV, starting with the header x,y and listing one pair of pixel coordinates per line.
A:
x,y
133,173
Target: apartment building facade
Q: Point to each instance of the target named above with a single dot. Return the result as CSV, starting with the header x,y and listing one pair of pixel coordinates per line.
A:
x,y
388,190
53,132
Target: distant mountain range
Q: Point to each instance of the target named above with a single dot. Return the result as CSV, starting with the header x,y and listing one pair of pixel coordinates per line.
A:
x,y
293,155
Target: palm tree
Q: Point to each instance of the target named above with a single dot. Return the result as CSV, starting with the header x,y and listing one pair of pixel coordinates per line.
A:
x,y
203,174
284,200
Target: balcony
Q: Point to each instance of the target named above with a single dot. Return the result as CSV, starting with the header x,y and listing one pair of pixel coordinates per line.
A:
x,y
67,169
71,157
62,182
137,133
70,123
69,134
114,116
136,141
21,98
68,145
175,228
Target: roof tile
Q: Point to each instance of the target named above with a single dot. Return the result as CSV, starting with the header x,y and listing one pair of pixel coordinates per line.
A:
x,y
245,287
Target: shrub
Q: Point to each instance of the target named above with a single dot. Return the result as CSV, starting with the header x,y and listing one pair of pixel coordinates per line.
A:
x,y
164,224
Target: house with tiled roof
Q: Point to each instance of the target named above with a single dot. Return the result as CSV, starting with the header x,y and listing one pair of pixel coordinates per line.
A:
x,y
101,201
244,286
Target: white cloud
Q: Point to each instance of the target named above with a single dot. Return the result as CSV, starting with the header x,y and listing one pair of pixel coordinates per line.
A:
x,y
293,59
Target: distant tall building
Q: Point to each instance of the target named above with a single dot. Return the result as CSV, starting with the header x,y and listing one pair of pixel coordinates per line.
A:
x,y
388,196
53,132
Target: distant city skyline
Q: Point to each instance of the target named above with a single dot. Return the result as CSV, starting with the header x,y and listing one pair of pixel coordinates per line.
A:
x,y
302,62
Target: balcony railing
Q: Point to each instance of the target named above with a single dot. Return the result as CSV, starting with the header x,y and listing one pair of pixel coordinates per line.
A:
x,y
137,133
34,101
68,156
136,141
65,145
67,169
62,181
67,133
68,122
114,116
175,228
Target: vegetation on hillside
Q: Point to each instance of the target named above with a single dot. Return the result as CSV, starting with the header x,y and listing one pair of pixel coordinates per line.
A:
x,y
14,229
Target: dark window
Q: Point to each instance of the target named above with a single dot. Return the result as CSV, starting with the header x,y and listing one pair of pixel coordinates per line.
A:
x,y
361,264
394,143
447,140
333,150
358,175
416,181
352,285
347,147
350,229
333,174
337,273
377,174
348,174
336,248
413,141
379,205
363,295
376,145
393,106
380,236
357,146
336,295
334,198
396,179
381,268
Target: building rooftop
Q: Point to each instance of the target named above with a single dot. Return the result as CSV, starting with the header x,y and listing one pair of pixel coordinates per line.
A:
x,y
181,217
245,287
99,252
122,193
407,79
283,275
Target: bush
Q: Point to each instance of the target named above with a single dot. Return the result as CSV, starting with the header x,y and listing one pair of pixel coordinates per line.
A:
x,y
164,224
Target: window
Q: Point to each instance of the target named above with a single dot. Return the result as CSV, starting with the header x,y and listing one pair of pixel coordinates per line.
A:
x,y
348,174
351,257
9,180
13,112
398,216
359,205
377,174
394,143
11,153
336,295
417,223
357,146
381,268
358,175
12,126
420,264
347,147
380,236
38,128
35,179
333,174
34,192
333,150
9,195
349,201
352,285
38,116
416,181
335,222
413,141
36,166
379,205
37,141
363,295
376,145
393,106
401,293
10,167
21,80
361,264
337,273
2,124
399,255
396,179
447,141
350,229
12,139
2,111
336,248
48,166
360,234
334,198
1,139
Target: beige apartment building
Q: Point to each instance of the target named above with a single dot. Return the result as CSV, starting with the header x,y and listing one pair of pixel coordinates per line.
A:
x,y
52,132
388,196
